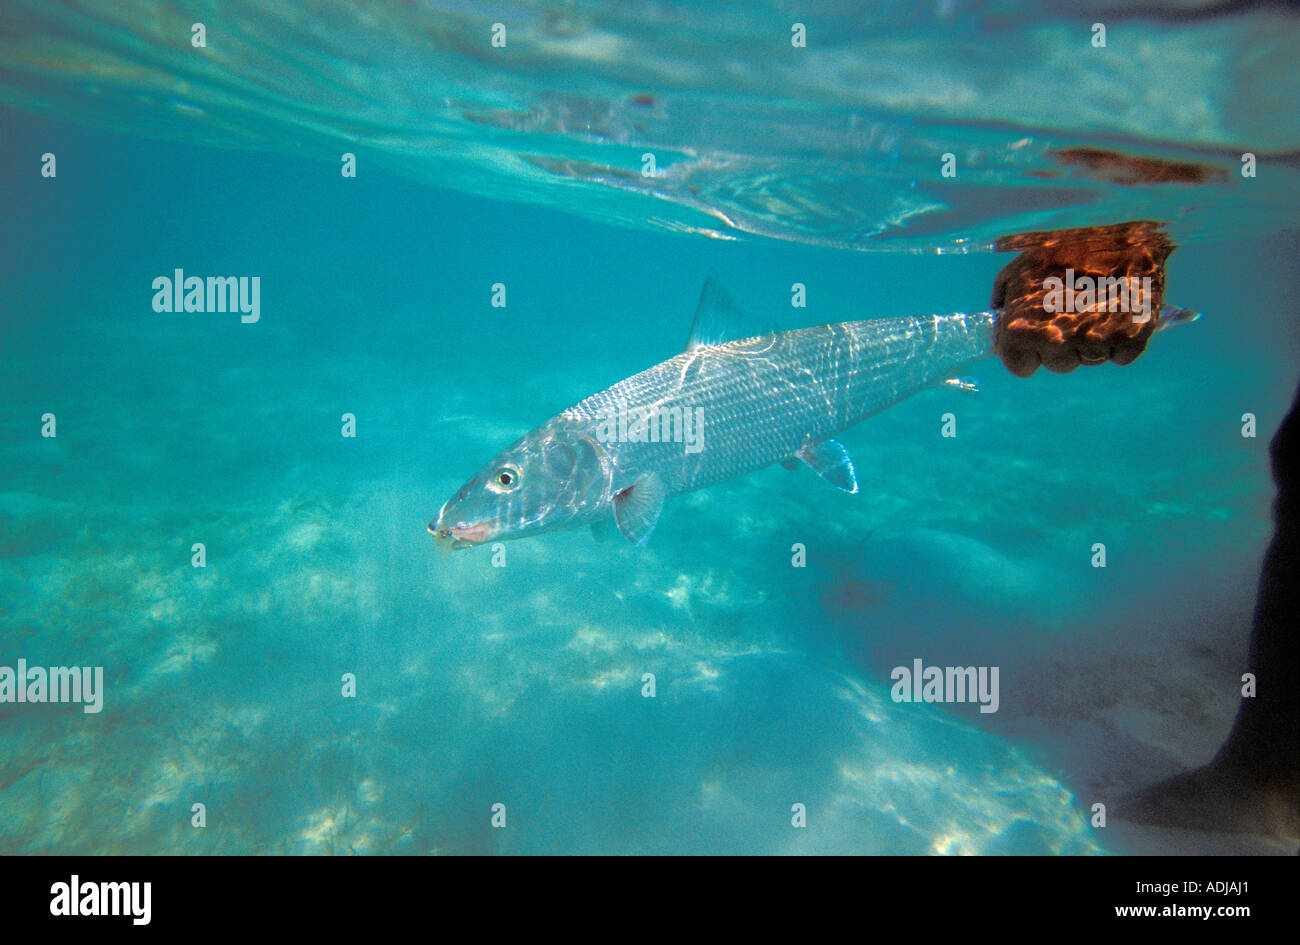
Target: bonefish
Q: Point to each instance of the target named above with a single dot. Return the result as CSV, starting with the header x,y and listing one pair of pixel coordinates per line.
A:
x,y
720,409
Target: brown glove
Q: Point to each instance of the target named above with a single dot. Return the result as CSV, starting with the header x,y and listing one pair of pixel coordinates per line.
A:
x,y
1032,328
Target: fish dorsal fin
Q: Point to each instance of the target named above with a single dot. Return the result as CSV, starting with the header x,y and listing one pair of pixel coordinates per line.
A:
x,y
717,316
830,460
636,508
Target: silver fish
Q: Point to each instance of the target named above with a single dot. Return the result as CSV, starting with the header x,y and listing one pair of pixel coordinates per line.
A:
x,y
717,410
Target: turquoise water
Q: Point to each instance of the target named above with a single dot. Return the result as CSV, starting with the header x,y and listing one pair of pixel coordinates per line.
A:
x,y
522,685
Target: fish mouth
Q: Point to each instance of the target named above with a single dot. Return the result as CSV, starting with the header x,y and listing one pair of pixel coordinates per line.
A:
x,y
462,534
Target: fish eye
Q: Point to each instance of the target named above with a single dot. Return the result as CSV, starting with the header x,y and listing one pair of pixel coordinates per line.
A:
x,y
505,479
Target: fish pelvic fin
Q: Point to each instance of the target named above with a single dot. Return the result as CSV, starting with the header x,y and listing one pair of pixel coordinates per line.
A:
x,y
830,460
637,508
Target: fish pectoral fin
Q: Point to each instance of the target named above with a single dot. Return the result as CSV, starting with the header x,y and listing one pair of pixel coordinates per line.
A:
x,y
636,508
967,385
830,460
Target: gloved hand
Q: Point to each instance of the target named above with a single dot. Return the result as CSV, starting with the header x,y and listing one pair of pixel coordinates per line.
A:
x,y
1027,335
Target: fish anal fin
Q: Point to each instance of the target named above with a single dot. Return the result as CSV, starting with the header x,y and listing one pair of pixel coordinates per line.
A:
x,y
637,508
830,460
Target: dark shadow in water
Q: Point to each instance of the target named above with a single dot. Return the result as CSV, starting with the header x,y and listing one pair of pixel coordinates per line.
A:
x,y
1253,783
